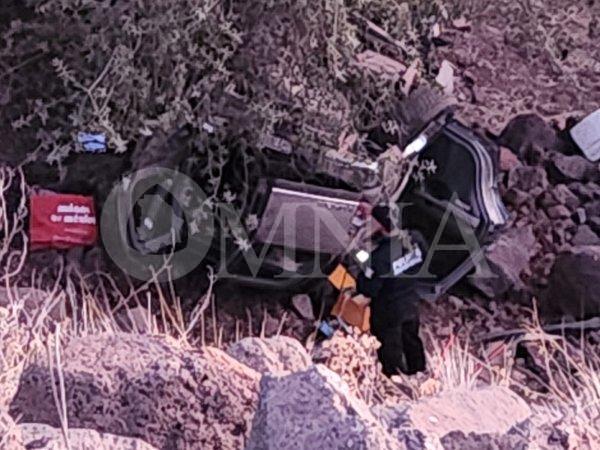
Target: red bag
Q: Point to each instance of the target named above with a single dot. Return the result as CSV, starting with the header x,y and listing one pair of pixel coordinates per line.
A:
x,y
62,221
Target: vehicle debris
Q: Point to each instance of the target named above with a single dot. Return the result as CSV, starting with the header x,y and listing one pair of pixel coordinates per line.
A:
x,y
380,64
354,311
92,142
586,135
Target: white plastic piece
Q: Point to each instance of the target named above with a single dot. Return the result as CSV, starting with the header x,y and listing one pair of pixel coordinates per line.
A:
x,y
415,146
362,256
586,135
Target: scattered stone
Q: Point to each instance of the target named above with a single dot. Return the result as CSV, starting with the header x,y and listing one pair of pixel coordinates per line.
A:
x,y
490,418
303,304
585,192
592,209
527,178
445,77
565,196
572,168
585,236
558,212
314,409
149,387
547,200
580,216
515,197
507,258
573,284
45,437
461,24
508,159
278,355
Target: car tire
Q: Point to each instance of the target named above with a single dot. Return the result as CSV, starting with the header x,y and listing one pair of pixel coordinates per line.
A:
x,y
421,107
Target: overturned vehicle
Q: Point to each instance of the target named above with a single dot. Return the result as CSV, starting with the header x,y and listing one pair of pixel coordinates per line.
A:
x,y
282,216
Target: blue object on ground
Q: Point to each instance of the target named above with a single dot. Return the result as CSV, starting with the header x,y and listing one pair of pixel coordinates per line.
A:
x,y
326,329
92,142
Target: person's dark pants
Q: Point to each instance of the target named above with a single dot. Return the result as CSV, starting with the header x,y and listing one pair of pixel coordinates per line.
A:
x,y
401,349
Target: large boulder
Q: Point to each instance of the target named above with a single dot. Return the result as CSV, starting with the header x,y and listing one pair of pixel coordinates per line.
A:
x,y
314,409
506,259
45,437
147,387
528,132
276,355
573,284
492,418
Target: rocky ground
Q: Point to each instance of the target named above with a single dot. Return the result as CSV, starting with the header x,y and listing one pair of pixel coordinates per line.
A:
x,y
125,391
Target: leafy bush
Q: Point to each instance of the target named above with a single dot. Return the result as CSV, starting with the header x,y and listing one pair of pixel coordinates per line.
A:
x,y
133,68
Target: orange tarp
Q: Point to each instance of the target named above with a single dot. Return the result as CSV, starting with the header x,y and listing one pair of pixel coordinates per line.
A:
x,y
354,311
342,279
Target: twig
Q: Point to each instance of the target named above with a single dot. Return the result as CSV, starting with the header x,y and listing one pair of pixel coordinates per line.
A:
x,y
520,332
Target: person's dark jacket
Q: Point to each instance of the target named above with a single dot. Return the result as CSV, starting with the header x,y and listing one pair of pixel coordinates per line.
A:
x,y
394,298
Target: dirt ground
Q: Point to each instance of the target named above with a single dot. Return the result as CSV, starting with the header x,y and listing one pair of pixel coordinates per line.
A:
x,y
538,56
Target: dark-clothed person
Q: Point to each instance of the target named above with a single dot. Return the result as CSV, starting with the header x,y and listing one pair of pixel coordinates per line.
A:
x,y
394,303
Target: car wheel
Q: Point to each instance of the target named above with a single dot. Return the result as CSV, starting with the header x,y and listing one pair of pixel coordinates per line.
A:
x,y
421,107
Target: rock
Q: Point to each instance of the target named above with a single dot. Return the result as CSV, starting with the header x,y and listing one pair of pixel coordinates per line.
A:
x,y
528,131
580,216
13,342
527,178
564,196
45,437
276,355
10,434
585,192
572,168
445,77
461,24
463,419
592,209
148,387
585,236
547,200
594,223
573,284
313,409
558,212
303,304
353,356
508,160
507,258
515,197
33,300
